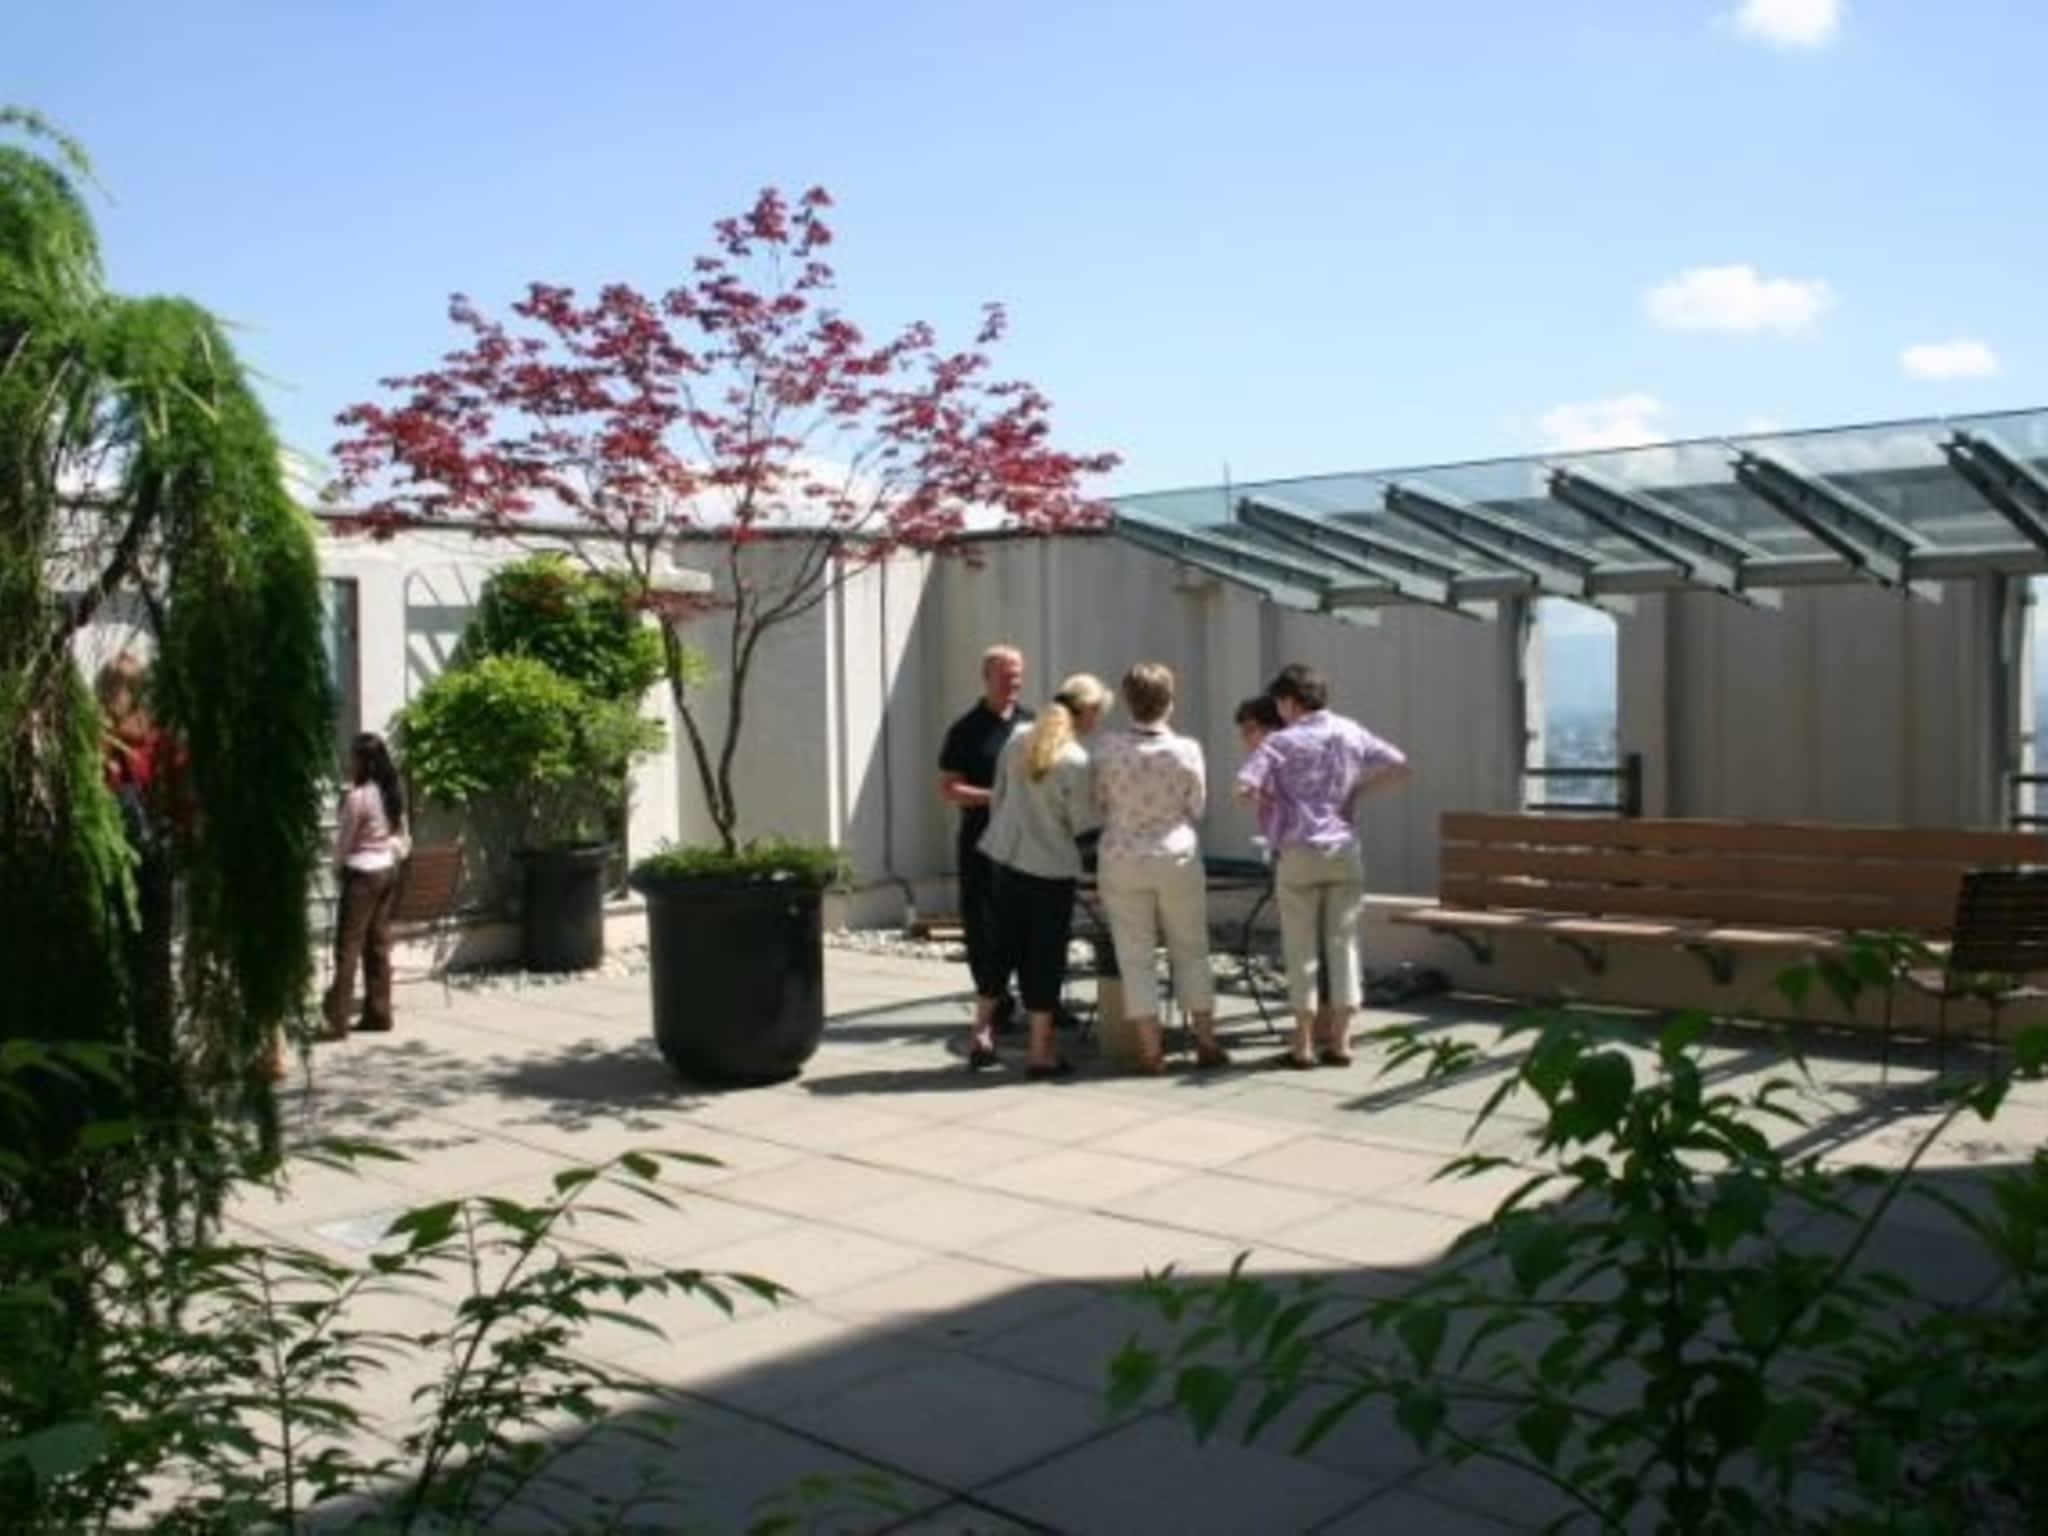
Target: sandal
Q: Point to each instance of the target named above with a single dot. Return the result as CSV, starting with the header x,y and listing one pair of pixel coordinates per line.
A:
x,y
981,1057
1330,1056
1149,1064
1294,1063
1209,1057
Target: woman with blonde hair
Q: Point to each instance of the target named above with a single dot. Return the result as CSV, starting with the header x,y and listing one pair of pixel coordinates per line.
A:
x,y
1151,786
1042,802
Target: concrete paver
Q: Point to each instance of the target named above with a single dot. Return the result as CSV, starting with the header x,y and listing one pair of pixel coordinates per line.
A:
x,y
963,1248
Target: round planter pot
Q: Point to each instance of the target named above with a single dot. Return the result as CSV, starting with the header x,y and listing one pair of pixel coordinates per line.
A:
x,y
738,974
562,917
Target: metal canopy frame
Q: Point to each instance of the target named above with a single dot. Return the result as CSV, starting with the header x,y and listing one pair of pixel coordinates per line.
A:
x,y
1742,518
1873,544
1412,572
1243,566
2016,490
1557,567
1705,555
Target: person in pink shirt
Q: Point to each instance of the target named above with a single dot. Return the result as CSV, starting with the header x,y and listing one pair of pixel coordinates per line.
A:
x,y
1307,780
370,843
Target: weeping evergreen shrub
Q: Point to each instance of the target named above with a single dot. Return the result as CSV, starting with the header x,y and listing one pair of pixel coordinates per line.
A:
x,y
138,470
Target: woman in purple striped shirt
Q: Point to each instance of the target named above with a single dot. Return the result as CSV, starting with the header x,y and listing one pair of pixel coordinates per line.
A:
x,y
1307,780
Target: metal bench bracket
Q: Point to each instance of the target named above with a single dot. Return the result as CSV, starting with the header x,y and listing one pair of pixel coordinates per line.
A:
x,y
1594,955
1478,944
1720,963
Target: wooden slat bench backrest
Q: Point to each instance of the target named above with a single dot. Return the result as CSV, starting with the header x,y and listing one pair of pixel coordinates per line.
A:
x,y
429,884
1778,874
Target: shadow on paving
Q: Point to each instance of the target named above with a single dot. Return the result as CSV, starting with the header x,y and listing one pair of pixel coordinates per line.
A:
x,y
990,1415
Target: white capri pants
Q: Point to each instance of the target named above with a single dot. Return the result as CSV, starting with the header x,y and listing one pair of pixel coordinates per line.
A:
x,y
1321,897
1143,897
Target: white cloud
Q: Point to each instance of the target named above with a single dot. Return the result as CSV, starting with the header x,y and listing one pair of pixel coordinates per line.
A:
x,y
1737,298
1964,358
1790,23
1620,421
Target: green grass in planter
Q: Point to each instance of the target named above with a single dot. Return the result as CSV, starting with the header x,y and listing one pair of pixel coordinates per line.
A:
x,y
774,858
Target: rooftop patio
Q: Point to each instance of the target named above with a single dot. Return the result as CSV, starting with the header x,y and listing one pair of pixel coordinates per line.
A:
x,y
957,1242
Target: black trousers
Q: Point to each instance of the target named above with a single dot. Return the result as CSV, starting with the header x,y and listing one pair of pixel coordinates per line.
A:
x,y
978,919
1035,919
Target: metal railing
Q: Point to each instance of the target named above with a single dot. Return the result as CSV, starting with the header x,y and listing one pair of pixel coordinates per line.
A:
x,y
1626,798
2023,808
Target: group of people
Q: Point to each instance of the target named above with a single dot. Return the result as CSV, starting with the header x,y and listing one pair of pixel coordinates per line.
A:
x,y
1033,790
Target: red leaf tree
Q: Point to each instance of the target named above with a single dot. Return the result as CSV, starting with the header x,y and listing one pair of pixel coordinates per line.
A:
x,y
740,410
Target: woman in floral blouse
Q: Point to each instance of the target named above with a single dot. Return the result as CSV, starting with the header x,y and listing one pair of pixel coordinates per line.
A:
x,y
1152,788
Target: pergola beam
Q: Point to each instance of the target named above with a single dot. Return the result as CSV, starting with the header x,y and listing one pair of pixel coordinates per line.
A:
x,y
1414,574
1876,547
2016,490
1556,567
1703,554
1259,570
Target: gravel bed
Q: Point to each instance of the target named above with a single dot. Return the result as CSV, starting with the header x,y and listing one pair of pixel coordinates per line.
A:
x,y
627,960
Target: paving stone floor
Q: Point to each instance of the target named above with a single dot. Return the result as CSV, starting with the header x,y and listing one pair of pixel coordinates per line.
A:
x,y
959,1245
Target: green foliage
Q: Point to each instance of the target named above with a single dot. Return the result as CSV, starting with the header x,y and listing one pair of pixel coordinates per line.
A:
x,y
1640,1325
512,727
230,1388
188,526
582,623
770,859
539,710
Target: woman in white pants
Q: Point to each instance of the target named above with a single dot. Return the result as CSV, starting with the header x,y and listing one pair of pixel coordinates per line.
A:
x,y
1151,786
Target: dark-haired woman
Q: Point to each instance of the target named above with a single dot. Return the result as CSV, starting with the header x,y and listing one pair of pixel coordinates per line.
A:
x,y
369,844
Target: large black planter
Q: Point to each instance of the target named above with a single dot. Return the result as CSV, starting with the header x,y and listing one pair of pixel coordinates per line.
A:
x,y
562,920
738,971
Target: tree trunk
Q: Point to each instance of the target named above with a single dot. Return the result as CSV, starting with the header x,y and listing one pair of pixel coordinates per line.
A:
x,y
700,752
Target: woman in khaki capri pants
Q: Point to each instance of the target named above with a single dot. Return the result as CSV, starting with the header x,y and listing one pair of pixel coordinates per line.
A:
x,y
1308,779
1151,787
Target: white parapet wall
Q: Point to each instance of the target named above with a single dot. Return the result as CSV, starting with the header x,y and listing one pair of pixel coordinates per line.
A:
x,y
1843,704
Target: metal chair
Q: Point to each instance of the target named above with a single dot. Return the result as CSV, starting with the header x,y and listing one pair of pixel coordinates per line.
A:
x,y
2000,939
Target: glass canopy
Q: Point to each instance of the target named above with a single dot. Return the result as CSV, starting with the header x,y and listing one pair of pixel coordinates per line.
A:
x,y
1897,504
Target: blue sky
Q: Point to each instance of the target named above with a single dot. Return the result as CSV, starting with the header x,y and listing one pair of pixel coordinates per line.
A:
x,y
1294,237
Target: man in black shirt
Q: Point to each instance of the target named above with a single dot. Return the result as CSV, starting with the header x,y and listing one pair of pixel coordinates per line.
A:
x,y
967,772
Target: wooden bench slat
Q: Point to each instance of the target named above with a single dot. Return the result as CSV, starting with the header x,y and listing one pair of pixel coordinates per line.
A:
x,y
1958,846
429,884
1732,907
1707,871
1711,935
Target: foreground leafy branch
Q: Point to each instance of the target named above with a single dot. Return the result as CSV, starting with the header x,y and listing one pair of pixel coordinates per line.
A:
x,y
1646,1324
230,1389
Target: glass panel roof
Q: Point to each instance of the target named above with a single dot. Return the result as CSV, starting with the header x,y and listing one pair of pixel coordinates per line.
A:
x,y
1896,468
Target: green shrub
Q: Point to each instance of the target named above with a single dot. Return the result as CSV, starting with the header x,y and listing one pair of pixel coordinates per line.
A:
x,y
805,864
581,622
512,727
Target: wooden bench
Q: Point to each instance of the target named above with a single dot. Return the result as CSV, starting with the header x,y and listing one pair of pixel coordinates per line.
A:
x,y
426,903
1716,889
428,898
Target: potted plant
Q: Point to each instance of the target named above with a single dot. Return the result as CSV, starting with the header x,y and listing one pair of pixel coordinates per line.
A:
x,y
739,414
510,733
717,1022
